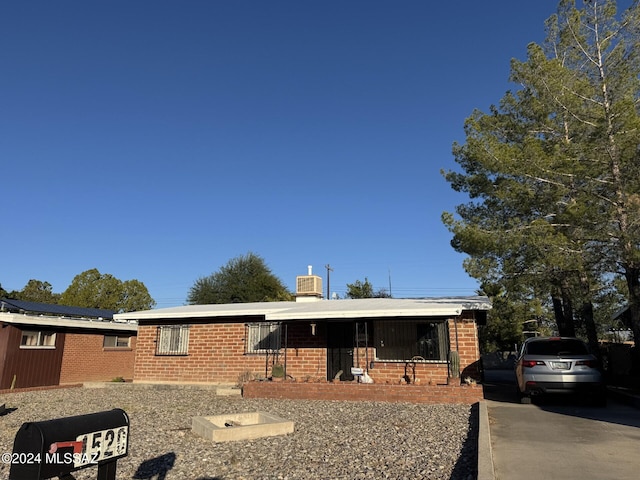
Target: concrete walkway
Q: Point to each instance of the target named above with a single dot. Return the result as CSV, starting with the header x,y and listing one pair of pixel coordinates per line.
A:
x,y
560,438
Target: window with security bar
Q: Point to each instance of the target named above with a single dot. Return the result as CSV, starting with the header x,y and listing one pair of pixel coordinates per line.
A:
x,y
264,337
406,340
172,340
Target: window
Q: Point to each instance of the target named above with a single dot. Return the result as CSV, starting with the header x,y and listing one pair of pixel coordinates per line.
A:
x,y
172,340
263,337
557,347
38,339
114,341
402,340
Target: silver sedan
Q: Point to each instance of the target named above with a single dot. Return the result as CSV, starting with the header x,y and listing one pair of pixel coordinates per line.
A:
x,y
549,365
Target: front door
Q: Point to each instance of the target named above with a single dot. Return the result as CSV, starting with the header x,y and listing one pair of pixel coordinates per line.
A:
x,y
340,350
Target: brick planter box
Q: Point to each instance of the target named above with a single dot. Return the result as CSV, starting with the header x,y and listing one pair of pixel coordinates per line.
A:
x,y
431,394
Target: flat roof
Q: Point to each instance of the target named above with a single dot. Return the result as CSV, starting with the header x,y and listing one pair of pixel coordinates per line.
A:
x,y
64,322
24,306
320,309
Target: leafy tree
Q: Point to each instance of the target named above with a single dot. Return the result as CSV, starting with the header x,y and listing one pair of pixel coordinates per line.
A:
x,y
507,318
359,289
553,171
37,291
243,279
3,292
382,293
135,297
92,289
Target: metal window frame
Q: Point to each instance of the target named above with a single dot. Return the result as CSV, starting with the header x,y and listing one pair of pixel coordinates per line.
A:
x,y
409,329
255,336
117,339
41,336
172,340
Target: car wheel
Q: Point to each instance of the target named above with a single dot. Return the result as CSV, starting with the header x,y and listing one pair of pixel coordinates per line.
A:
x,y
524,399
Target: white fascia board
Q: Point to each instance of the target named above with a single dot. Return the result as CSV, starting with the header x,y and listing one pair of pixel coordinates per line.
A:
x,y
327,309
376,308
162,315
45,321
293,315
206,311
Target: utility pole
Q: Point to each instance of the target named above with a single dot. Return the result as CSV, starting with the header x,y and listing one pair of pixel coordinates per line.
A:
x,y
329,269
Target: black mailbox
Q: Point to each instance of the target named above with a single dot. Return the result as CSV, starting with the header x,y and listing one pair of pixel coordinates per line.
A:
x,y
55,448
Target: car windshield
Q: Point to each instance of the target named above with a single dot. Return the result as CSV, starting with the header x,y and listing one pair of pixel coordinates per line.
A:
x,y
557,347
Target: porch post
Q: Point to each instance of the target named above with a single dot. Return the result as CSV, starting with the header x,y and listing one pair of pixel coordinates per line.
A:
x,y
286,342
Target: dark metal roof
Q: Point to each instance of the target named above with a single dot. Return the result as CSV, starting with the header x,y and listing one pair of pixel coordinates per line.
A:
x,y
23,306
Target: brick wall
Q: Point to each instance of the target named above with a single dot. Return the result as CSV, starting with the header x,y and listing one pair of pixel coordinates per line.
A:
x,y
216,354
467,345
307,355
348,391
429,373
409,372
85,359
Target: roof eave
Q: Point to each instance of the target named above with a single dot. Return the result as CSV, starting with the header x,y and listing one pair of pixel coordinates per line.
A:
x,y
58,322
442,312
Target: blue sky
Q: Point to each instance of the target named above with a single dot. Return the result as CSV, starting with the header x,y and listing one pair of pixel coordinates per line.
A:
x,y
156,140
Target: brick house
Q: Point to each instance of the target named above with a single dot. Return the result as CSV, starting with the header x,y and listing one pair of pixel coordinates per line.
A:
x,y
391,340
43,344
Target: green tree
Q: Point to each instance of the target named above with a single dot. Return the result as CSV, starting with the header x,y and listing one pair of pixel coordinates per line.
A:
x,y
553,171
359,289
135,297
92,289
507,318
243,279
37,291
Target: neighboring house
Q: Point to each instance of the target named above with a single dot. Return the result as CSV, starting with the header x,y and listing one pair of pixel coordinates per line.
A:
x,y
43,344
393,340
623,320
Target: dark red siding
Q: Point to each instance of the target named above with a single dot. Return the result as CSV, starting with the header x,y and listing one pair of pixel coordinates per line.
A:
x,y
31,367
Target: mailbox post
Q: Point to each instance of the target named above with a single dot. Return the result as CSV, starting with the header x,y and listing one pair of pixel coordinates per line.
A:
x,y
56,448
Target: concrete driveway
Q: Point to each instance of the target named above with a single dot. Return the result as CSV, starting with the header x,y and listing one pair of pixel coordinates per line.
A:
x,y
560,438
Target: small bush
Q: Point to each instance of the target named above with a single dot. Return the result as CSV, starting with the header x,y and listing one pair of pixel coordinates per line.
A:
x,y
277,371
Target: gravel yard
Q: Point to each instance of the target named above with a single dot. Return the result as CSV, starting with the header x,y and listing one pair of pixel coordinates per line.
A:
x,y
332,440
